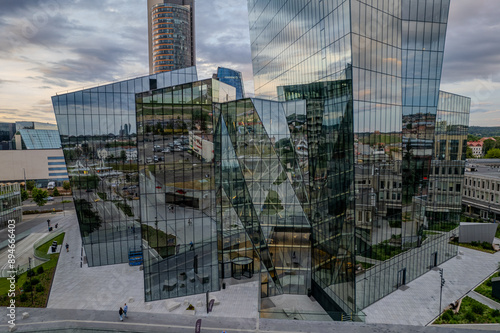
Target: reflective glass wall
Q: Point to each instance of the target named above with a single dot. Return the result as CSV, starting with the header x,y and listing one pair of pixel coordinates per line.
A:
x,y
233,78
176,176
390,53
99,139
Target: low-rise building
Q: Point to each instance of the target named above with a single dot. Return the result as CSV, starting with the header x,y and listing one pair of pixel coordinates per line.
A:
x,y
481,189
42,166
477,148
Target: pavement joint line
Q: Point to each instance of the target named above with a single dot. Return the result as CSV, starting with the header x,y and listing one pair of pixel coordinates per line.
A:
x,y
134,324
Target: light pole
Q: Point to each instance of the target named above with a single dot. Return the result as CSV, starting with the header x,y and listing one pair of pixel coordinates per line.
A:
x,y
30,274
441,293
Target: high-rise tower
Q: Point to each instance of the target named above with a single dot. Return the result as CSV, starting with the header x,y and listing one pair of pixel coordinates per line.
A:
x,y
171,35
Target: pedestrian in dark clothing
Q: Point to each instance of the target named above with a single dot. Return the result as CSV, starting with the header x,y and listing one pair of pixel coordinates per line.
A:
x,y
67,247
48,223
121,314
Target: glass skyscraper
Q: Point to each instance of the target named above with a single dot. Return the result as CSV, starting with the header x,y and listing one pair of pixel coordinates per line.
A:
x,y
389,54
233,78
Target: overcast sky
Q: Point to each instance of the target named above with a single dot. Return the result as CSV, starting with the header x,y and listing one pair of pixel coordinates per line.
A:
x,y
50,46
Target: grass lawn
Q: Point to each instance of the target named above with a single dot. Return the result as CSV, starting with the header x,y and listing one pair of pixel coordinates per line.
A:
x,y
163,243
40,282
471,312
42,250
479,247
443,226
485,288
365,265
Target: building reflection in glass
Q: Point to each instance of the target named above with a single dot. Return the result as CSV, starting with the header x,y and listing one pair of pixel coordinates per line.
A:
x,y
99,139
390,55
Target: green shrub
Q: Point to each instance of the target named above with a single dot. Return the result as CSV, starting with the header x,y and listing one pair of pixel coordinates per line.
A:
x,y
35,281
478,308
23,297
40,288
39,270
495,313
27,287
447,316
470,317
30,273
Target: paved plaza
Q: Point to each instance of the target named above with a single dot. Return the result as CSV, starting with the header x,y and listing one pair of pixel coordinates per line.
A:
x,y
419,304
89,297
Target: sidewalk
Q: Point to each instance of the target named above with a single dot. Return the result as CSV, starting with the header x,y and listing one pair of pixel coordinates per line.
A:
x,y
485,300
419,304
71,321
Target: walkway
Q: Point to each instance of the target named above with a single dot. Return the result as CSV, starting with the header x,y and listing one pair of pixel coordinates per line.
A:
x,y
419,304
485,300
50,320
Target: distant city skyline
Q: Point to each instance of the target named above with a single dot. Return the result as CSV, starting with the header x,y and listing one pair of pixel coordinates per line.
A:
x,y
50,47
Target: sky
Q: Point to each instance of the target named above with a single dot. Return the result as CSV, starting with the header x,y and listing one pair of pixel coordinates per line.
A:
x,y
54,46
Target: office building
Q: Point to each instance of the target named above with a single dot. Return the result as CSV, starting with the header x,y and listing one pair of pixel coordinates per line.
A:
x,y
481,190
334,186
10,204
233,78
41,165
7,131
99,154
389,55
171,35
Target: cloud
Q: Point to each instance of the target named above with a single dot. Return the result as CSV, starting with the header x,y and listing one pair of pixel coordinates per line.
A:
x,y
472,48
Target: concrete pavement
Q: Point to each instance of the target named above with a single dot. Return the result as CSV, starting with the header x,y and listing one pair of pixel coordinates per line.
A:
x,y
419,303
66,320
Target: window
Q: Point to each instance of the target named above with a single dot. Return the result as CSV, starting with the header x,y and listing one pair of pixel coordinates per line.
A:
x,y
457,187
55,169
382,184
58,174
56,163
55,157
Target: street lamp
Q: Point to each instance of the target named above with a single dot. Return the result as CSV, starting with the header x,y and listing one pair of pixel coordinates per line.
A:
x,y
442,284
30,275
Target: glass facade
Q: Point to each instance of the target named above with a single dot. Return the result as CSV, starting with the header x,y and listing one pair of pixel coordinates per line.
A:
x,y
10,204
233,78
98,133
40,139
176,177
389,54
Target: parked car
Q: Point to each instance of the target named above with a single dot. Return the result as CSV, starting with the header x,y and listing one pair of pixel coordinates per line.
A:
x,y
50,198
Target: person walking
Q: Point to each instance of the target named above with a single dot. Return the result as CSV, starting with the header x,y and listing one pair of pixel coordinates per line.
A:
x,y
120,312
67,247
190,221
125,309
191,246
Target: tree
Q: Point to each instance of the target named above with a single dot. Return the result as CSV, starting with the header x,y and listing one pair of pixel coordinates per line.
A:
x,y
123,156
488,145
493,153
159,128
469,153
30,185
66,186
24,194
56,192
39,196
471,137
